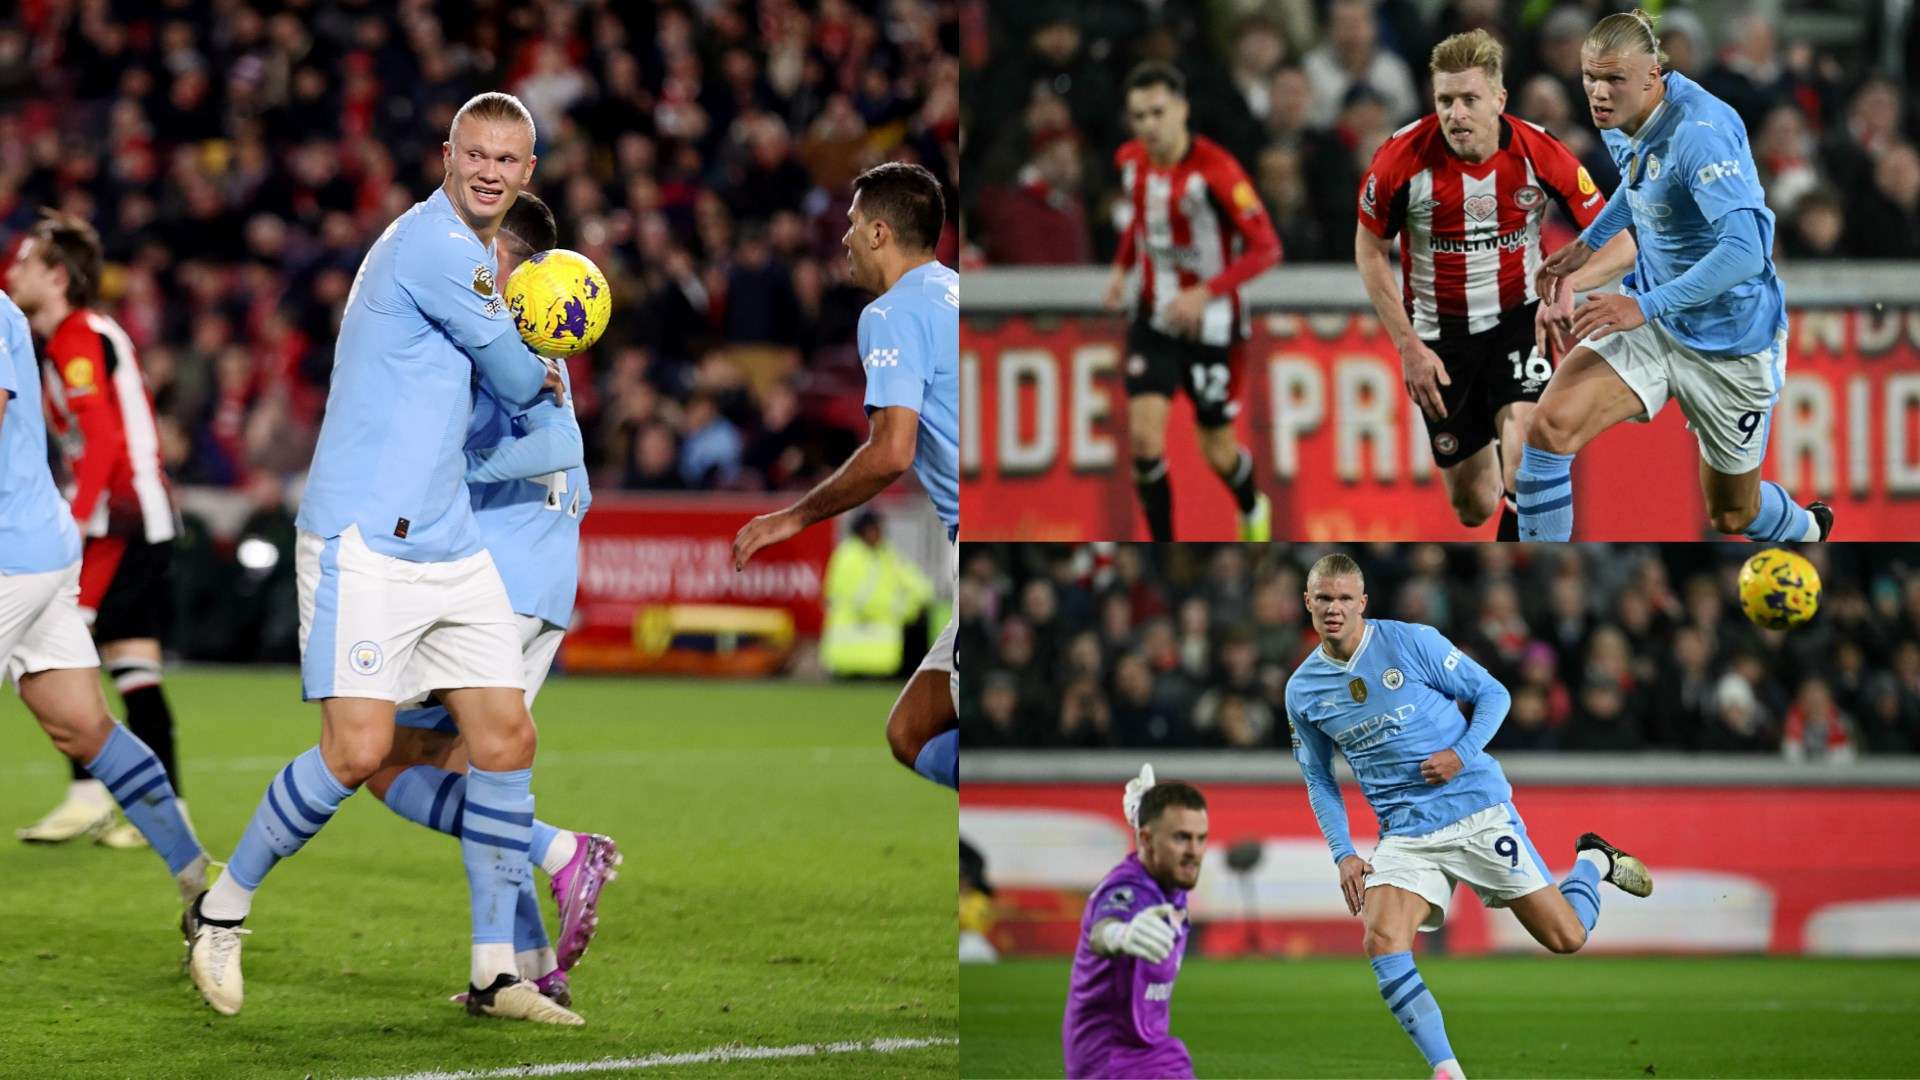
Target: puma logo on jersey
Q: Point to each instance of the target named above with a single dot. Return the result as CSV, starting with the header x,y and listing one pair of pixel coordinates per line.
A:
x,y
878,310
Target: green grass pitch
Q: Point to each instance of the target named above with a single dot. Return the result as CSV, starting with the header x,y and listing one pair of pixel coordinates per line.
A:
x,y
1506,1016
786,882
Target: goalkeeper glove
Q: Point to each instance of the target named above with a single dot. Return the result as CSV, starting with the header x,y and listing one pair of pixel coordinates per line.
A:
x,y
1136,790
1149,936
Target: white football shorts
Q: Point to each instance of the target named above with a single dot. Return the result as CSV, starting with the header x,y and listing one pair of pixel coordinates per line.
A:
x,y
1728,400
1488,850
539,641
41,627
940,656
375,626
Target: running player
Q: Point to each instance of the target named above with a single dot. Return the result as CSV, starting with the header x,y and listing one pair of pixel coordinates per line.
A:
x,y
44,646
1200,233
1385,694
909,341
103,416
1465,190
1132,938
397,593
1702,319
529,492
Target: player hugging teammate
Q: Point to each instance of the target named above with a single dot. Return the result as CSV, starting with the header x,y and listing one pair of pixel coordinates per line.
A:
x,y
1464,190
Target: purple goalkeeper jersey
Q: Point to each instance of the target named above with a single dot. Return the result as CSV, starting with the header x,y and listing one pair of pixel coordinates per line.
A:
x,y
1117,1006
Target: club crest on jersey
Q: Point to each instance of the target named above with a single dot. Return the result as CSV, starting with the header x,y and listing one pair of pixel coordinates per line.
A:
x,y
1480,207
1391,678
365,657
1529,197
1653,167
1358,688
483,280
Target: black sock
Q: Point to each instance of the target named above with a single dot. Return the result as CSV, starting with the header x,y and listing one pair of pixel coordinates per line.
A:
x,y
1241,482
1156,496
78,770
147,714
1509,520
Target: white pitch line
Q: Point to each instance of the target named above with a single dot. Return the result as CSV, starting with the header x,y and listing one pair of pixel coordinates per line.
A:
x,y
694,1057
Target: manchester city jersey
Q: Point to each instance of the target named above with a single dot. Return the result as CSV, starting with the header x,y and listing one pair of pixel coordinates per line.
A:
x,y
1386,709
37,533
531,527
1687,167
909,341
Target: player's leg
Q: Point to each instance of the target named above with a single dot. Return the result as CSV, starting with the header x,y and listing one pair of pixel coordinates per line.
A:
x,y
922,728
1233,463
134,665
1147,437
1473,486
1587,395
1510,420
1729,405
87,809
69,706
1393,915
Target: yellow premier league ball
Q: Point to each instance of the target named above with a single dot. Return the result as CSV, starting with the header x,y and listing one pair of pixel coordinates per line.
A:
x,y
559,301
1779,589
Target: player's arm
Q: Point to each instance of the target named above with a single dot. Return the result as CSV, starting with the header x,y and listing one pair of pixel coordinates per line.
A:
x,y
888,452
1128,926
1461,678
1421,370
82,370
1737,255
552,444
1260,245
1314,751
1116,296
450,279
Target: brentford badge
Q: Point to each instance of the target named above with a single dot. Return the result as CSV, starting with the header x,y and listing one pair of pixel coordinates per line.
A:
x,y
1529,197
1445,443
1358,688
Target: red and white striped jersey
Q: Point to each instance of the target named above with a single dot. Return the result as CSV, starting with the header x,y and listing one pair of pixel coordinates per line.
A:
x,y
99,407
1197,221
1470,233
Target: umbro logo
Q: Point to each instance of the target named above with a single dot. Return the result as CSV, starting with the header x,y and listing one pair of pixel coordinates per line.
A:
x,y
879,358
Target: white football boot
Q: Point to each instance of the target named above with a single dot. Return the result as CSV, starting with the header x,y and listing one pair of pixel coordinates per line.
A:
x,y
213,958
86,811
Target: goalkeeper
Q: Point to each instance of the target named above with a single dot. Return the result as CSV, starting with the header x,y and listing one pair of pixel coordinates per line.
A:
x,y
1132,937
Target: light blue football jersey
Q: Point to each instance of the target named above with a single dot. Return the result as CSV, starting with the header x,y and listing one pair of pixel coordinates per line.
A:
x,y
391,453
1386,710
37,533
909,342
1686,168
531,526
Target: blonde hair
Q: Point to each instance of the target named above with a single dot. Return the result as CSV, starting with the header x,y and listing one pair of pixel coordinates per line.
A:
x,y
1464,52
1626,31
493,105
1338,564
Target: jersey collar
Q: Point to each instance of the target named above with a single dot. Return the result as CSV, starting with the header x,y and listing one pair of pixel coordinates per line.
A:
x,y
1366,638
1654,118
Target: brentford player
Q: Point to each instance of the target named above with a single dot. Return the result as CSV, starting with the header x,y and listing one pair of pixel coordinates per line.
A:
x,y
1198,233
103,416
1464,190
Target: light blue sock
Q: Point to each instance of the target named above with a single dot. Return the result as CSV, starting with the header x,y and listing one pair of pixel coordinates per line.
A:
x,y
543,835
132,773
939,759
1779,517
1411,1004
299,801
495,828
428,796
529,929
1543,492
1582,890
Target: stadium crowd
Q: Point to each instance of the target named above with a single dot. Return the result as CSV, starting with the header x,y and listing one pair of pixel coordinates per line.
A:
x,y
1304,93
1613,648
239,157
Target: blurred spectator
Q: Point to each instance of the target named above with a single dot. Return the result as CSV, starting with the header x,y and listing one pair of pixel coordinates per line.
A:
x,y
1886,216
1816,729
1351,56
1040,218
1749,76
1816,227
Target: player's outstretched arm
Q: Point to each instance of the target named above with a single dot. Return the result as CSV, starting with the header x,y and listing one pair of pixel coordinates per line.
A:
x,y
1736,256
1149,935
878,462
1553,320
552,444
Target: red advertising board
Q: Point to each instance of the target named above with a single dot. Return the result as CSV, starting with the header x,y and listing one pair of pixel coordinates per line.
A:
x,y
1808,860
1344,454
641,553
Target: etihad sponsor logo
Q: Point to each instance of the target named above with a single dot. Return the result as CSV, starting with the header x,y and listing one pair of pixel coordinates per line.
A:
x,y
1504,242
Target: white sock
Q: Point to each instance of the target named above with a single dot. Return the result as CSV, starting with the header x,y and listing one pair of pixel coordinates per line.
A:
x,y
1451,1067
91,792
227,900
533,963
491,961
1601,861
560,852
1813,530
